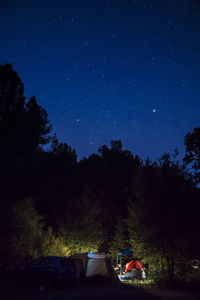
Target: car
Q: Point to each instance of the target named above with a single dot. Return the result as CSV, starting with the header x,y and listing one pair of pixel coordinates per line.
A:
x,y
47,271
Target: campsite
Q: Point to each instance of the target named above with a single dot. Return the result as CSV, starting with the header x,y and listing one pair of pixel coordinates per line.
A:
x,y
62,219
84,276
99,149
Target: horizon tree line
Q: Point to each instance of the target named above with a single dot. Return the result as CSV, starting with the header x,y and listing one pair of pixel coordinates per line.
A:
x,y
51,204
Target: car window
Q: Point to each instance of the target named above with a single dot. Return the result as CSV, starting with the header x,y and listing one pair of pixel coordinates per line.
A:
x,y
43,261
67,262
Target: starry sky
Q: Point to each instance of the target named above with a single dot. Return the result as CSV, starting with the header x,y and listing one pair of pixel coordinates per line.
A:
x,y
109,69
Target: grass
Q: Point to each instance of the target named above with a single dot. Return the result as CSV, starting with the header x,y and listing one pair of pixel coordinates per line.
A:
x,y
144,284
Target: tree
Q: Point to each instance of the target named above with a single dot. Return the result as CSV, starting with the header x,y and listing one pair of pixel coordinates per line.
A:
x,y
161,213
85,232
37,125
12,98
119,240
24,237
12,110
109,174
118,167
192,157
23,126
62,150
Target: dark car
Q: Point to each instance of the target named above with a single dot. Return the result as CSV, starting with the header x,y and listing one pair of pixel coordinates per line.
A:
x,y
47,272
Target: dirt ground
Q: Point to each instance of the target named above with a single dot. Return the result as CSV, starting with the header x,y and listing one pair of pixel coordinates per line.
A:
x,y
104,292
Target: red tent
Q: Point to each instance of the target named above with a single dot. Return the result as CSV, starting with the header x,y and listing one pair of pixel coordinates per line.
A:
x,y
134,264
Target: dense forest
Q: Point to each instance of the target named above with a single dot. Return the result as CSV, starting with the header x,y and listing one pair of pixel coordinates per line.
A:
x,y
52,204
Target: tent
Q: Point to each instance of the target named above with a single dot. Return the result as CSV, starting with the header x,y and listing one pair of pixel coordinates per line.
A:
x,y
91,264
134,269
127,252
123,253
134,264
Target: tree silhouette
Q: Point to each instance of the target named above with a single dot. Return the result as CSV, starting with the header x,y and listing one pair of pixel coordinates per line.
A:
x,y
62,150
12,110
23,126
85,204
161,214
37,125
12,98
192,157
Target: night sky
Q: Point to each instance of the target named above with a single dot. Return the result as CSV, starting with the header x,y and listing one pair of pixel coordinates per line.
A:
x,y
109,69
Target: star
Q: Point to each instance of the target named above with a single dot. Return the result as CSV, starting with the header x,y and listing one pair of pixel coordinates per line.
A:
x,y
97,67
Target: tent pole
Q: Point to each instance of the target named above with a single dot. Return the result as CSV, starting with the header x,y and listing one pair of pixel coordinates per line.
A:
x,y
120,265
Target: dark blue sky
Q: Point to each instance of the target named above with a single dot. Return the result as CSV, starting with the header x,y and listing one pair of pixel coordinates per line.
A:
x,y
109,69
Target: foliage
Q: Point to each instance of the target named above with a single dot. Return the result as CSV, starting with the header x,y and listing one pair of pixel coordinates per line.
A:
x,y
85,233
192,156
62,150
52,245
12,110
109,173
23,126
27,238
160,220
12,92
119,240
37,125
81,206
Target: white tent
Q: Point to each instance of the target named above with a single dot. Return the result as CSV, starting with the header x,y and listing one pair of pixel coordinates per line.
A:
x,y
97,265
91,264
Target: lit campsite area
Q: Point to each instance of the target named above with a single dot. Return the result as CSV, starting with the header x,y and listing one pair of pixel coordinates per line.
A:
x,y
87,276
